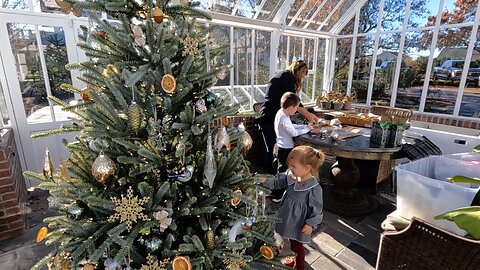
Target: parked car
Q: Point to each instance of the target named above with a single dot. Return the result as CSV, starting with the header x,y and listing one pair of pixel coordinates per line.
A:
x,y
452,70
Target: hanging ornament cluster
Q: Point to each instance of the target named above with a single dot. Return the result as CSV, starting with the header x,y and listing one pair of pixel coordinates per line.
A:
x,y
181,263
103,169
67,8
129,209
222,139
135,117
190,46
48,169
168,83
158,15
139,39
154,265
210,167
245,141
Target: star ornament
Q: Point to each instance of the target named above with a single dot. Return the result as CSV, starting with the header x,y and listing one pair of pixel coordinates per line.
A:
x,y
190,46
129,209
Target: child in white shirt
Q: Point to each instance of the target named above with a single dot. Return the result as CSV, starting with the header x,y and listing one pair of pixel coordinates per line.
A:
x,y
285,129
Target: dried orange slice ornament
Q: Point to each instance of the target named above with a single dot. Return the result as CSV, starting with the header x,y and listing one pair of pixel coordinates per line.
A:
x,y
181,263
235,201
85,94
267,252
41,234
168,83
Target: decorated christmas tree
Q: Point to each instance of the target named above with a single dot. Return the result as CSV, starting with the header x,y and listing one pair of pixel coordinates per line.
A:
x,y
152,181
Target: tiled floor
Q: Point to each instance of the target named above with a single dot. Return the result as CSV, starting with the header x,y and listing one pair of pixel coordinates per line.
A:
x,y
340,243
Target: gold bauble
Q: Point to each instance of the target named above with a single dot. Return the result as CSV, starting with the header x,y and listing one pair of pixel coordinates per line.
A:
x,y
135,117
210,239
89,266
63,261
103,169
158,15
47,164
169,83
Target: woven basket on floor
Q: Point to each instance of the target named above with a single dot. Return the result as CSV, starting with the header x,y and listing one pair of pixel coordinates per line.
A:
x,y
423,246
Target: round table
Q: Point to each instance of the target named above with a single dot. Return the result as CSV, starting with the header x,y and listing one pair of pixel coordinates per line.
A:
x,y
358,162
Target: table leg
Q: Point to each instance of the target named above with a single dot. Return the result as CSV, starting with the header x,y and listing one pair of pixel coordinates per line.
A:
x,y
344,198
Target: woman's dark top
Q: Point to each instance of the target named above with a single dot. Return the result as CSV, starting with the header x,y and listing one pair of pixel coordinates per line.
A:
x,y
283,82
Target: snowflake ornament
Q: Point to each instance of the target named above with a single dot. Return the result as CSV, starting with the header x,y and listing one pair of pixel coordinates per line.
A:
x,y
129,209
190,46
154,265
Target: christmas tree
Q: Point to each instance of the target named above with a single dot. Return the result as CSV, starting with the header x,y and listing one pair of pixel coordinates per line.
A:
x,y
151,182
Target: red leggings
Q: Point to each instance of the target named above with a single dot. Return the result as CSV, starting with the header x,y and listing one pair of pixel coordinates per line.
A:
x,y
298,248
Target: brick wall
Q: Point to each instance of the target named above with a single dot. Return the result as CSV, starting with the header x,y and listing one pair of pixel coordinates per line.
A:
x,y
13,192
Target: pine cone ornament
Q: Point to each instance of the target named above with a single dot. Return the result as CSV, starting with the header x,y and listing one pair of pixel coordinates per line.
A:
x,y
210,239
135,116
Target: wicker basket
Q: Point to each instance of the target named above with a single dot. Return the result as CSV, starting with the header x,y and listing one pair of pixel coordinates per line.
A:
x,y
389,111
423,246
355,121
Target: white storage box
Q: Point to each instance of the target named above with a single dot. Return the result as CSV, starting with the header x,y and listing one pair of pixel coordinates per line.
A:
x,y
424,191
472,157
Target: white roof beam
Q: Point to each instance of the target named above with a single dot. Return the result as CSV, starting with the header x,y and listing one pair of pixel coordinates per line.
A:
x,y
283,12
347,16
259,9
315,14
330,15
305,2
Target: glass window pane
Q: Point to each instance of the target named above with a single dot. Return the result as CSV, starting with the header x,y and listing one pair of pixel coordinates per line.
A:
x,y
348,29
29,70
295,49
320,66
262,64
422,11
3,107
361,72
55,52
393,14
342,62
282,53
459,11
413,70
446,74
341,11
242,66
387,55
305,14
369,17
269,10
471,93
15,4
323,14
248,8
220,55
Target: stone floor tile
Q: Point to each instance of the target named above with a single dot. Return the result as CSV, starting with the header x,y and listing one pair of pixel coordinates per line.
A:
x,y
357,257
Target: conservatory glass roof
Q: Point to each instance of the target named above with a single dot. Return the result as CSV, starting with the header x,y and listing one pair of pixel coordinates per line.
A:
x,y
318,15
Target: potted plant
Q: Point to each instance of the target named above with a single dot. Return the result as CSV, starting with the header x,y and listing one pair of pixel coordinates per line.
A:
x,y
347,102
467,218
337,104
